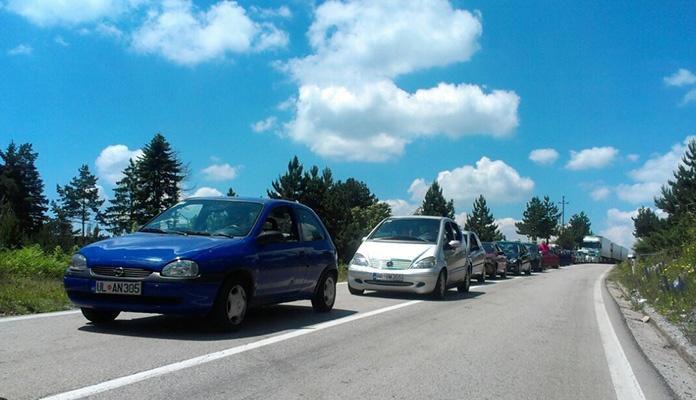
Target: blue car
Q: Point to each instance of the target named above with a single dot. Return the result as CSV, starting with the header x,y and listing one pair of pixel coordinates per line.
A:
x,y
214,256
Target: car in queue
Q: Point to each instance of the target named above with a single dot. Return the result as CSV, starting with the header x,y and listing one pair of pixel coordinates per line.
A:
x,y
534,256
518,259
496,261
476,255
417,254
550,259
216,256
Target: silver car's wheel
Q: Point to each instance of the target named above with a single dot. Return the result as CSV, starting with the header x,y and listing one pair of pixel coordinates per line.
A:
x,y
231,307
325,293
464,286
440,286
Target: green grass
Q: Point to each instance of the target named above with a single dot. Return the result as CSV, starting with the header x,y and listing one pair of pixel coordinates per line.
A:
x,y
31,281
667,283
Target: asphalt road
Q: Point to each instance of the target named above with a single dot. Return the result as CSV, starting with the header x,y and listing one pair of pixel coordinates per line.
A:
x,y
552,335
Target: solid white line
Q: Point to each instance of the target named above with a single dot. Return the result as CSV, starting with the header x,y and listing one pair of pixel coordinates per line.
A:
x,y
166,369
626,385
34,316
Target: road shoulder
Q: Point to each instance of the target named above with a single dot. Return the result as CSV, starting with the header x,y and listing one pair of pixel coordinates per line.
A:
x,y
662,344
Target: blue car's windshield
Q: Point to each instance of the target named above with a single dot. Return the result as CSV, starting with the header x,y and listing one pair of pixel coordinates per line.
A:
x,y
207,217
408,229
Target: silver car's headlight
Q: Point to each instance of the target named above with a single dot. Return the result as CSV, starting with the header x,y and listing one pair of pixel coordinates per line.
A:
x,y
181,269
78,262
426,263
359,260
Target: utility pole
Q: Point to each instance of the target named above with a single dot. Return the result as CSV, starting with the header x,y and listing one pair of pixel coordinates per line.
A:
x,y
563,203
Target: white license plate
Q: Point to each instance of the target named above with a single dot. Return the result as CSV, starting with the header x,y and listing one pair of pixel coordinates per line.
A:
x,y
388,277
131,288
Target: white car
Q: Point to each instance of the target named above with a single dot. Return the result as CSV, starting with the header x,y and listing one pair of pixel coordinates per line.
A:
x,y
418,254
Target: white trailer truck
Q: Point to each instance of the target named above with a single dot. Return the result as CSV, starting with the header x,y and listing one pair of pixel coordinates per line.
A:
x,y
601,249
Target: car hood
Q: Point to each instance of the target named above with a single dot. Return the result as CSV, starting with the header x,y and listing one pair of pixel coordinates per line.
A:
x,y
383,250
150,249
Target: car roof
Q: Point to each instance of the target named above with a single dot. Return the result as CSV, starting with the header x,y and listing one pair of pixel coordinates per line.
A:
x,y
259,200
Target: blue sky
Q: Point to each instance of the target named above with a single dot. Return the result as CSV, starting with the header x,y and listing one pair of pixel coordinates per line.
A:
x,y
588,101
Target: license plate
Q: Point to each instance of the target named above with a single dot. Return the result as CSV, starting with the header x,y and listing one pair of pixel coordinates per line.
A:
x,y
131,288
388,277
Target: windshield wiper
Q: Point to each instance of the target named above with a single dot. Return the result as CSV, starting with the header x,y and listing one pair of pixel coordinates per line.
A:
x,y
158,230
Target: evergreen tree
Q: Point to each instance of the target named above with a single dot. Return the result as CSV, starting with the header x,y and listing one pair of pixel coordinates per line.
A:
x,y
159,175
578,227
645,223
679,195
11,235
290,186
434,203
121,215
21,188
80,199
231,193
482,222
316,190
531,219
548,226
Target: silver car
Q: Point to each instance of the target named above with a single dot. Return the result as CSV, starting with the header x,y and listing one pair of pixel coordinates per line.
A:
x,y
418,254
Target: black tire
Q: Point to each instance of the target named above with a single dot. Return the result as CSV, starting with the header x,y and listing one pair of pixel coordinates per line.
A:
x,y
482,278
518,269
97,316
325,293
441,286
466,285
529,270
504,274
230,308
354,291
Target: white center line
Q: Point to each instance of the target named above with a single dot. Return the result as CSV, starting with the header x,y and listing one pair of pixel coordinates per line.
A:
x,y
166,369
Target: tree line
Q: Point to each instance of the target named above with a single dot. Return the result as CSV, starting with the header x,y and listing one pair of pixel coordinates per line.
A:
x,y
155,181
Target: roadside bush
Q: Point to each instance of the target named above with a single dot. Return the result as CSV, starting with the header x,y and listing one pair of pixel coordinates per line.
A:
x,y
668,283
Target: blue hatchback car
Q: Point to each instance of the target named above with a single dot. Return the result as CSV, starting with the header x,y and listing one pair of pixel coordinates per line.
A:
x,y
214,256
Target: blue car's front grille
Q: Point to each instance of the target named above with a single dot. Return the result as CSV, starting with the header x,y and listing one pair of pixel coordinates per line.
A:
x,y
120,272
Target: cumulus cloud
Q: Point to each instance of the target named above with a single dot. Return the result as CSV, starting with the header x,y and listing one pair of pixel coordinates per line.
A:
x,y
220,172
182,34
681,78
621,227
22,49
113,160
509,230
401,207
73,12
207,192
264,125
594,158
600,193
495,180
650,177
544,156
348,106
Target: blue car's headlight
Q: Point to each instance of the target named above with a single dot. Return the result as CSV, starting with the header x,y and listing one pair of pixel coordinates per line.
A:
x,y
181,269
78,262
426,263
359,260
512,260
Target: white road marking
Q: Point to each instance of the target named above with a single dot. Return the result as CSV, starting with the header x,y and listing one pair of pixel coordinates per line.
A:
x,y
34,316
626,385
166,369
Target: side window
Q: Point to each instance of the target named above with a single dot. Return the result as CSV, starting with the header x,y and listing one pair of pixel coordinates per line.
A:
x,y
473,242
282,219
456,232
310,227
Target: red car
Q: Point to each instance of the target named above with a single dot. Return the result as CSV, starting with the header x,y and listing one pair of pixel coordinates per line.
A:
x,y
550,259
496,261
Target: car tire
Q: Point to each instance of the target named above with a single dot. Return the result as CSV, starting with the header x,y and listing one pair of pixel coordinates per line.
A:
x,y
230,308
518,269
504,274
466,284
440,286
97,316
325,293
482,278
528,271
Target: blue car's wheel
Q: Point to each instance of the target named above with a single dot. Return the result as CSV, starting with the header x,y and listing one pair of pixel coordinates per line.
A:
x,y
325,293
231,306
99,316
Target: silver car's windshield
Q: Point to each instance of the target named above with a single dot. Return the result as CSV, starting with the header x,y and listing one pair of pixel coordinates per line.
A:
x,y
207,217
408,229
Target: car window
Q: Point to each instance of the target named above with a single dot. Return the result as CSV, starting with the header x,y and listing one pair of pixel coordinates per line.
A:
x,y
408,229
207,217
473,242
311,227
282,219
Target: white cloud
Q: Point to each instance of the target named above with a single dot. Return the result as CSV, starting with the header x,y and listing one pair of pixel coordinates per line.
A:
x,y
401,207
495,180
689,97
22,49
349,107
594,158
375,122
70,12
600,193
264,125
113,160
61,41
652,175
182,34
544,156
509,230
207,192
621,227
220,172
682,77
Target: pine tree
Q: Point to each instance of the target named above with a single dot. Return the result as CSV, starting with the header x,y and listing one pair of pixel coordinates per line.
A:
x,y
121,214
80,199
578,227
290,186
159,174
679,195
434,203
21,188
482,222
532,215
